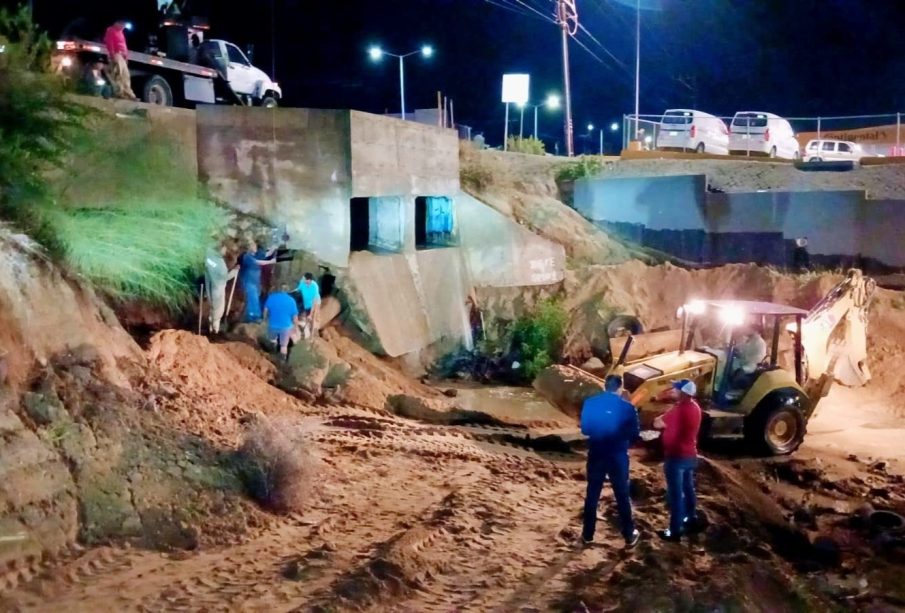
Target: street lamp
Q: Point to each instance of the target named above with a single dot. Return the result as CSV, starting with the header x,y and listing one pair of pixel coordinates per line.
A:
x,y
376,53
614,127
553,102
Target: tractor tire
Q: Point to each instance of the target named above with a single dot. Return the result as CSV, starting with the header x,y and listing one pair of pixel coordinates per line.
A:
x,y
777,425
157,91
623,325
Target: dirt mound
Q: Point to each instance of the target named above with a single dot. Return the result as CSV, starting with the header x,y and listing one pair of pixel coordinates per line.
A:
x,y
594,294
523,187
210,391
44,312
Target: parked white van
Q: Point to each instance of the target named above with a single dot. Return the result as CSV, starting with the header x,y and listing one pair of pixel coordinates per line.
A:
x,y
754,132
831,150
690,130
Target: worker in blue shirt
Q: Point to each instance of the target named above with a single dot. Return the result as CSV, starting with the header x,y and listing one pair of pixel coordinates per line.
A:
x,y
311,302
611,424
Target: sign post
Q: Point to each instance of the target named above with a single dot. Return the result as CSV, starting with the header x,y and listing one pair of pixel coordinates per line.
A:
x,y
515,89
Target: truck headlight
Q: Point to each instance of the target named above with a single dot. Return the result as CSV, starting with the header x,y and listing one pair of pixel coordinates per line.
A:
x,y
66,62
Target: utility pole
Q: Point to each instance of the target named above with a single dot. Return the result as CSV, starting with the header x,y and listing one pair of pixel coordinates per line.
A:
x,y
567,15
638,66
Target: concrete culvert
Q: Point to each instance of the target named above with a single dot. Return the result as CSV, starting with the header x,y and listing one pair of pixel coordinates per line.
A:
x,y
623,325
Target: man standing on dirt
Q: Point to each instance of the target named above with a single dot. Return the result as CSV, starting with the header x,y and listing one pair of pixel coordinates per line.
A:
x,y
680,427
115,41
611,425
282,315
250,277
216,275
311,301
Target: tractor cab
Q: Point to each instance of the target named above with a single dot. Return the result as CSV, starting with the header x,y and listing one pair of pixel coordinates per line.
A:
x,y
750,340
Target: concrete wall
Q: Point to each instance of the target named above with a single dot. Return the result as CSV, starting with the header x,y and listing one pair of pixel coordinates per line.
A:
x,y
290,167
300,168
500,252
412,300
678,215
391,157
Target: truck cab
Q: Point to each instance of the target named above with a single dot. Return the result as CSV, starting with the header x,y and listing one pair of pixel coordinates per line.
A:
x,y
244,77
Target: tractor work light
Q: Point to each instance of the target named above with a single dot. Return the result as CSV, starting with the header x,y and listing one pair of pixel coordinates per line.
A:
x,y
695,307
732,316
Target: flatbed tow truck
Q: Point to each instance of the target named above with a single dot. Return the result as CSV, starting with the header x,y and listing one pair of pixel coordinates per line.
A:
x,y
184,69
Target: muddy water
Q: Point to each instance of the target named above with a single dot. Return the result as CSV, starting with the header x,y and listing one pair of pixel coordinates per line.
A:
x,y
514,403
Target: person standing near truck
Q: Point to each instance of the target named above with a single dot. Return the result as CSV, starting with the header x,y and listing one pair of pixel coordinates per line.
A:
x,y
115,41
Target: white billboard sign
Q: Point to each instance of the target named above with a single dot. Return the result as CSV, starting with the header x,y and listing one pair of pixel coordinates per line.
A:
x,y
515,88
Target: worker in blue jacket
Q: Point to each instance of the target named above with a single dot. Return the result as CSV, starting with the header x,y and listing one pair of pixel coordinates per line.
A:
x,y
611,424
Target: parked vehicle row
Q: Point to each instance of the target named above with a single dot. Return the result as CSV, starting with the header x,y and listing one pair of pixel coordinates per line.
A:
x,y
749,133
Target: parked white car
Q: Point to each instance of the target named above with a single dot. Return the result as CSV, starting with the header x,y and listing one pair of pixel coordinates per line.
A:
x,y
830,150
754,132
690,130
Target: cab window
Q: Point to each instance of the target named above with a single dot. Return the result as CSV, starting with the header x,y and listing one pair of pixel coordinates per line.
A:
x,y
236,56
829,146
845,147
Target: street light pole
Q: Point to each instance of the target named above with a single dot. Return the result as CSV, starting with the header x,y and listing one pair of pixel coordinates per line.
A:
x,y
637,65
601,141
376,53
521,122
535,120
402,84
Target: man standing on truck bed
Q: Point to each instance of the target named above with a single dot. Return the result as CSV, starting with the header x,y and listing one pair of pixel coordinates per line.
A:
x,y
115,41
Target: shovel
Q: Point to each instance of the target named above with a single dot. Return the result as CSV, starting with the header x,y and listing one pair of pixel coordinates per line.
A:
x,y
200,306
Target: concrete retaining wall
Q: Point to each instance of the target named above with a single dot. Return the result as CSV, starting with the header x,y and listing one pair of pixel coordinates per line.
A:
x,y
677,215
500,252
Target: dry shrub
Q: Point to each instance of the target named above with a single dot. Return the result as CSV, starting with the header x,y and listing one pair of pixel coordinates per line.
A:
x,y
278,465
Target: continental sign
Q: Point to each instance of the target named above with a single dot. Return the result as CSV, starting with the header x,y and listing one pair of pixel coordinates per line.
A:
x,y
878,136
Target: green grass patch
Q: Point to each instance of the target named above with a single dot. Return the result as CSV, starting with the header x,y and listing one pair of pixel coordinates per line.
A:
x,y
144,252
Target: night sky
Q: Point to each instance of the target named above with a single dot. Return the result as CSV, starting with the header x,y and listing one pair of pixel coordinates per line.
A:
x,y
792,57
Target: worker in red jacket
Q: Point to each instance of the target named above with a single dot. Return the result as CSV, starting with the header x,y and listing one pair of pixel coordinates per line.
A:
x,y
680,427
115,41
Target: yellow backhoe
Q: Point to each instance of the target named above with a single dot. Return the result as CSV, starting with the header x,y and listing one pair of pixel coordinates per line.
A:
x,y
769,406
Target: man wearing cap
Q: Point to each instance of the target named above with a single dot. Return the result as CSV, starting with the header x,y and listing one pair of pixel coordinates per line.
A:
x,y
611,425
680,427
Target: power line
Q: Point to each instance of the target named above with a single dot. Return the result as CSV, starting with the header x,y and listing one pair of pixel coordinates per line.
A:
x,y
536,11
509,7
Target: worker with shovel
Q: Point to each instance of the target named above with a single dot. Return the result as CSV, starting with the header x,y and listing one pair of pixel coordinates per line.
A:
x,y
216,276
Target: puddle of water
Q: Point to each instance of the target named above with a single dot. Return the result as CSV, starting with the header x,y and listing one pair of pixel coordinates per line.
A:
x,y
521,403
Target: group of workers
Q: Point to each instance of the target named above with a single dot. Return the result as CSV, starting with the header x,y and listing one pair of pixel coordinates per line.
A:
x,y
612,426
288,320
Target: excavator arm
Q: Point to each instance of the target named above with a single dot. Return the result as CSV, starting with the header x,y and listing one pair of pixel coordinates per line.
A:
x,y
834,333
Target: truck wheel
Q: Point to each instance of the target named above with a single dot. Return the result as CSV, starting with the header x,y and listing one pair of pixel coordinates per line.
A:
x,y
157,91
269,102
699,148
777,425
623,325
773,152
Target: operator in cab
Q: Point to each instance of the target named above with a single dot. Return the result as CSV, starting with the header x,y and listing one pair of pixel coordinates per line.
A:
x,y
750,351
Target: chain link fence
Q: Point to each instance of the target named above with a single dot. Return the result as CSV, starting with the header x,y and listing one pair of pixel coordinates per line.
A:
x,y
880,134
